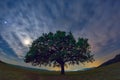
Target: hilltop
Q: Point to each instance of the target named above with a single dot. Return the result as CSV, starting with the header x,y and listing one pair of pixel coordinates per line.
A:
x,y
8,72
111,61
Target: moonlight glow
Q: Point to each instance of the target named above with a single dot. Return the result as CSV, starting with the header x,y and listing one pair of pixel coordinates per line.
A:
x,y
27,42
97,20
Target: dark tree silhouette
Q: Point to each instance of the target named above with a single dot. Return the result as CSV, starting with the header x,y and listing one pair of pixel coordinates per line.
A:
x,y
59,49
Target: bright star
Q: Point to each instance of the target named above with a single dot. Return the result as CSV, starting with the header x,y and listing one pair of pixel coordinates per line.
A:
x,y
5,22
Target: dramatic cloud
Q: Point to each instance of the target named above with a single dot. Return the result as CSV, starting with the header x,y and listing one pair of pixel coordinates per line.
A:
x,y
22,21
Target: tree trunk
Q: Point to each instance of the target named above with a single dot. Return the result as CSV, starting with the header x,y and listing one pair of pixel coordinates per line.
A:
x,y
62,69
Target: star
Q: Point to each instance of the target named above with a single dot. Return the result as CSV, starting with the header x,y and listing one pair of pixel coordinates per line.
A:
x,y
5,22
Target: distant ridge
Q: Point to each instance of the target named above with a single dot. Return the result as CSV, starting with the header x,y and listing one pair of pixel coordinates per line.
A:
x,y
114,60
2,62
20,67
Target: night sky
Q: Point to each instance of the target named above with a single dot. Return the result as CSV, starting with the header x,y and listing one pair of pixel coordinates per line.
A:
x,y
22,21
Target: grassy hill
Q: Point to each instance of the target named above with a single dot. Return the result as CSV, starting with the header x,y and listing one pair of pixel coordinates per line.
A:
x,y
111,61
9,72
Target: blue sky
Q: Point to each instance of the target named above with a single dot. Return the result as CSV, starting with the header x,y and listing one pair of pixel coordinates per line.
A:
x,y
22,21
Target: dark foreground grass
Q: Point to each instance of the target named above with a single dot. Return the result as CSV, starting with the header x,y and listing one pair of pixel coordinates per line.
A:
x,y
8,72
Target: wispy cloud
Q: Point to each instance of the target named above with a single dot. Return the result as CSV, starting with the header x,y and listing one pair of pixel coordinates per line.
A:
x,y
97,20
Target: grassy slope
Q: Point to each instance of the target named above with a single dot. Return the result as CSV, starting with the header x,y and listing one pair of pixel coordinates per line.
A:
x,y
8,72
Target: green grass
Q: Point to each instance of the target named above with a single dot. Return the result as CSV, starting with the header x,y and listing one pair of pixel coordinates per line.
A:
x,y
9,72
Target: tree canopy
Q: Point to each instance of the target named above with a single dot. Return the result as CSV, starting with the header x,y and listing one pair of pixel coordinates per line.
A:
x,y
57,49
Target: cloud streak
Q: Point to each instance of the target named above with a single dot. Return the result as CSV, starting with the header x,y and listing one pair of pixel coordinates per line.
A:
x,y
97,20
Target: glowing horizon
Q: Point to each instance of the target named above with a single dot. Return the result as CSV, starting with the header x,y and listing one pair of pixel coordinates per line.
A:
x,y
23,21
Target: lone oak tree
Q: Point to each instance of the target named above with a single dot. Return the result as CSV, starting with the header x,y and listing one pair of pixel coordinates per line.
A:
x,y
58,49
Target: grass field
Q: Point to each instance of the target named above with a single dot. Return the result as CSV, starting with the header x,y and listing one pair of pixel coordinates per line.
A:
x,y
8,72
